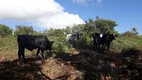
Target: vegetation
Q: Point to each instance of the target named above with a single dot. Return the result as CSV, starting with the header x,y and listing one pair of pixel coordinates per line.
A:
x,y
129,39
5,30
74,67
24,30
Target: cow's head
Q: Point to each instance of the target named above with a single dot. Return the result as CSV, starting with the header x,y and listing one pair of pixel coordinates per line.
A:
x,y
50,45
114,36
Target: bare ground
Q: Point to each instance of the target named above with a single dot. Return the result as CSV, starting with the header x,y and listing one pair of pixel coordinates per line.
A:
x,y
83,65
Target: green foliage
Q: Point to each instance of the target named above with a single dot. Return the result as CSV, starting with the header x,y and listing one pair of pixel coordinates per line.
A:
x,y
60,44
68,30
59,32
8,43
82,43
49,32
129,34
54,32
134,30
59,38
105,26
127,43
5,30
127,40
24,30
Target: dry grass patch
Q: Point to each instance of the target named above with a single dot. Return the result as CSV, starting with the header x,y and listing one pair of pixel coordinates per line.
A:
x,y
57,69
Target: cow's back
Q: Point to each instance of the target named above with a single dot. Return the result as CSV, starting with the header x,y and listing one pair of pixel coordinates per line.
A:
x,y
108,38
26,41
32,42
41,41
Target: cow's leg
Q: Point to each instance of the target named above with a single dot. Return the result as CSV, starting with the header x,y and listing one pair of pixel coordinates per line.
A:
x,y
48,53
37,52
95,46
19,52
99,47
108,45
23,56
42,51
103,47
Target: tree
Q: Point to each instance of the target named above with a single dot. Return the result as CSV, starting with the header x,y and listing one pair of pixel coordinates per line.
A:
x,y
68,30
24,30
77,27
128,34
90,27
55,32
5,30
59,33
131,33
91,20
105,26
97,18
50,31
134,30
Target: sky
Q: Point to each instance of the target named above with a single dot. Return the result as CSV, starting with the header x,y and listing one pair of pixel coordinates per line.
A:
x,y
57,14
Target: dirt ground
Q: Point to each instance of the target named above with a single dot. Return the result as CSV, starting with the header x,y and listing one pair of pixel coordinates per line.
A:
x,y
83,65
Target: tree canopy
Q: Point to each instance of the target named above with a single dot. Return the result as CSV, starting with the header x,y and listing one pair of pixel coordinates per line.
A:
x,y
24,30
5,30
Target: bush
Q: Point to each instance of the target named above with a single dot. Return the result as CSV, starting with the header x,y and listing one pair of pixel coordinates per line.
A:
x,y
60,44
5,30
127,43
8,43
82,43
24,30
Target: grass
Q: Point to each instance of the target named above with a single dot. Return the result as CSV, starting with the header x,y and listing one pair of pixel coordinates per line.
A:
x,y
8,43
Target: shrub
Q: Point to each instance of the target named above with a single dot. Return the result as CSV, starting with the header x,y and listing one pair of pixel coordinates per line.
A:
x,y
8,43
60,44
127,43
5,30
24,30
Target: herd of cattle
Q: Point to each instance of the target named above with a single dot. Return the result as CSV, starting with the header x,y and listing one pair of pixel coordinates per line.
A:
x,y
41,43
102,42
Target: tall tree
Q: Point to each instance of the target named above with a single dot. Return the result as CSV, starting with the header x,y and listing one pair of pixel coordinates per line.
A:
x,y
90,27
105,25
24,30
5,30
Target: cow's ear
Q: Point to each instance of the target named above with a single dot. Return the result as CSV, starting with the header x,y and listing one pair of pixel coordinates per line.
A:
x,y
51,42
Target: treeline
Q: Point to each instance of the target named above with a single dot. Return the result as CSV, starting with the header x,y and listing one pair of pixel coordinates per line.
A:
x,y
128,39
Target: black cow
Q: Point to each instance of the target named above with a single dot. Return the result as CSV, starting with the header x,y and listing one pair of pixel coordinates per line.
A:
x,y
107,39
31,42
102,42
97,41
